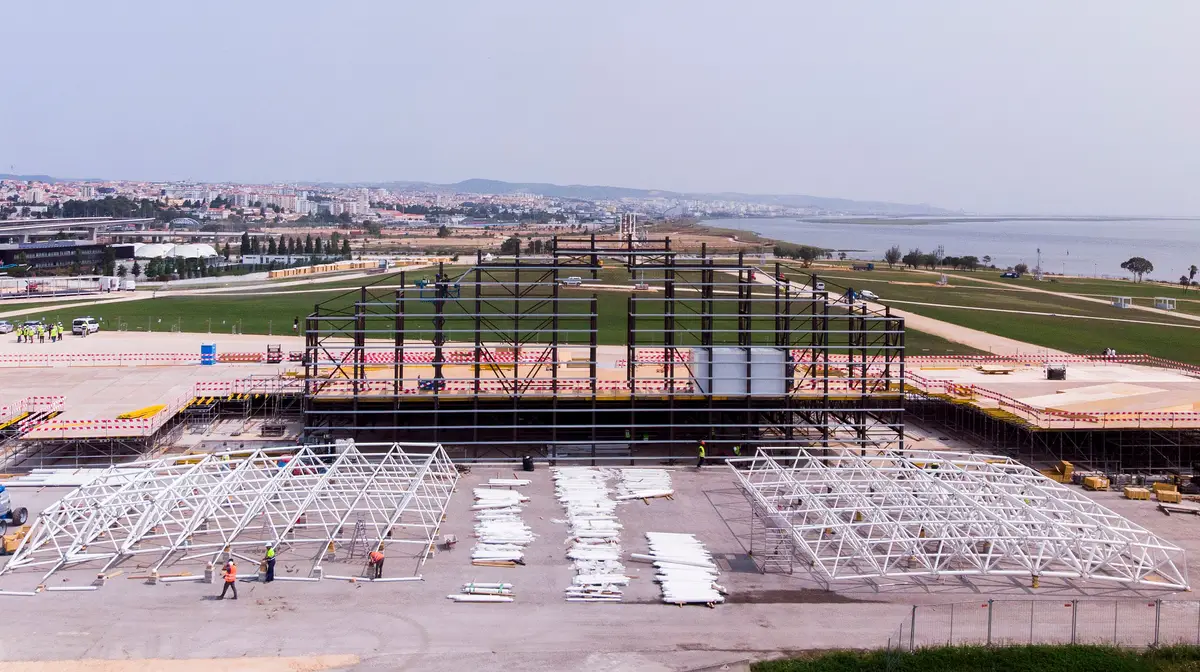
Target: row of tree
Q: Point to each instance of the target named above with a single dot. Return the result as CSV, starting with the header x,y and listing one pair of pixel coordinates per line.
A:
x,y
293,246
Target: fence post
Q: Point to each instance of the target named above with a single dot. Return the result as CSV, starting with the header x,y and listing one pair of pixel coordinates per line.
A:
x,y
1157,617
951,624
1074,618
1031,603
912,629
989,635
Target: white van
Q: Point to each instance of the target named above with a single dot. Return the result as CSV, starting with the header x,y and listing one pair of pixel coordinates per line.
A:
x,y
82,326
573,281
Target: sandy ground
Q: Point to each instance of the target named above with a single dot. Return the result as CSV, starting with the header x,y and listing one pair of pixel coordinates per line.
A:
x,y
411,626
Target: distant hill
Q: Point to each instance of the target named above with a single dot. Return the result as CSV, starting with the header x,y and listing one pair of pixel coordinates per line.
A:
x,y
593,193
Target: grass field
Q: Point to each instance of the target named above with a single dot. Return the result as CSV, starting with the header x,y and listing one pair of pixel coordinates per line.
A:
x,y
1001,659
272,312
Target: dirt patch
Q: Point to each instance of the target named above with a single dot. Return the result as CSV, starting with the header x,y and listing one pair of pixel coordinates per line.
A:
x,y
798,596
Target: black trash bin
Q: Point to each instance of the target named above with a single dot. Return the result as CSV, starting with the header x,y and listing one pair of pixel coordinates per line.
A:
x,y
527,463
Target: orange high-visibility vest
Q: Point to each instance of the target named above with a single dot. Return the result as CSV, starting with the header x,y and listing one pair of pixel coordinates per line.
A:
x,y
231,573
375,556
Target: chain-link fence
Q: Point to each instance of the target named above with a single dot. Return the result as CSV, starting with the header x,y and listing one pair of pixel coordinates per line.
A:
x,y
1129,623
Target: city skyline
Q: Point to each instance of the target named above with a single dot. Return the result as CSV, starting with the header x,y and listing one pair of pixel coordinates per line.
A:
x,y
1058,108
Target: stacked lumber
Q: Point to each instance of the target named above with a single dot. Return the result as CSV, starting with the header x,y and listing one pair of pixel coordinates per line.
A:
x,y
484,592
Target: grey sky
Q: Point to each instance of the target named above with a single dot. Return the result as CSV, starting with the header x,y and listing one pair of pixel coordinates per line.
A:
x,y
1016,106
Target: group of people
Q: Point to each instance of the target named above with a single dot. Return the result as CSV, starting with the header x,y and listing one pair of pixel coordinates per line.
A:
x,y
27,333
229,570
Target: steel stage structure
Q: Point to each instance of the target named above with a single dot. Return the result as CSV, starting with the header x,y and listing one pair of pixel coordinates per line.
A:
x,y
604,348
187,511
865,515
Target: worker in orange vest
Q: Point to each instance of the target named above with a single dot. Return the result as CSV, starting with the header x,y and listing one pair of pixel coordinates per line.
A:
x,y
230,579
375,559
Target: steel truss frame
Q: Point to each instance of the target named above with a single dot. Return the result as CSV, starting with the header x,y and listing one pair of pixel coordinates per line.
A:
x,y
501,359
862,515
190,510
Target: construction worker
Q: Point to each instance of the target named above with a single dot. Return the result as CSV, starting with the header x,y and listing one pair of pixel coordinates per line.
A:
x,y
737,450
703,453
270,560
230,572
375,560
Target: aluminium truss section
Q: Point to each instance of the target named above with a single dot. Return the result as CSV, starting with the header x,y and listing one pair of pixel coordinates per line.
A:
x,y
185,511
862,515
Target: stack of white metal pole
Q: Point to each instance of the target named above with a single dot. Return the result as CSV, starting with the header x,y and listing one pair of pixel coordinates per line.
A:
x,y
502,535
505,482
644,484
595,543
685,569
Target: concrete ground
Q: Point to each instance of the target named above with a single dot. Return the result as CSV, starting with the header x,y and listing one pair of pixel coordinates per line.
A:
x,y
412,626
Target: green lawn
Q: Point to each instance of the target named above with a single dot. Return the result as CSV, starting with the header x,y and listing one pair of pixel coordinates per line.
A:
x,y
999,659
1078,336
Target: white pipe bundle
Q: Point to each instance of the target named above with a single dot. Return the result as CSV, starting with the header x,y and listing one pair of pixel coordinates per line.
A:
x,y
685,569
505,482
644,484
594,535
480,598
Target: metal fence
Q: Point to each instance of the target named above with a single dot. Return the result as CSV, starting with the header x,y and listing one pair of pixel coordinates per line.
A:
x,y
1126,623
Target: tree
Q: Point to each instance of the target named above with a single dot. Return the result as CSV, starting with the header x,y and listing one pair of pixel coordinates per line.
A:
x,y
1138,266
122,272
308,244
892,256
225,251
930,260
271,249
809,255
318,246
1021,269
346,247
244,249
137,269
511,246
109,265
1183,280
1192,273
841,256
969,262
987,259
443,231
254,246
913,258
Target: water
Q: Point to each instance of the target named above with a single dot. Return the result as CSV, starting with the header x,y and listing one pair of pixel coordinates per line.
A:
x,y
1087,248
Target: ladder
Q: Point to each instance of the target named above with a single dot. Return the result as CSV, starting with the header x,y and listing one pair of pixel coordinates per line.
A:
x,y
778,551
358,540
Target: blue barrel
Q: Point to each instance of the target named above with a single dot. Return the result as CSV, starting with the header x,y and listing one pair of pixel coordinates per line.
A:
x,y
208,354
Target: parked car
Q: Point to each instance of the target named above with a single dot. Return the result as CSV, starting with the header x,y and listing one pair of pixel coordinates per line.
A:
x,y
573,281
868,295
6,327
1010,274
80,325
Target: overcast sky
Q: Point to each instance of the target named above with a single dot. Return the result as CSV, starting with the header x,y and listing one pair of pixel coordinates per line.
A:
x,y
1017,106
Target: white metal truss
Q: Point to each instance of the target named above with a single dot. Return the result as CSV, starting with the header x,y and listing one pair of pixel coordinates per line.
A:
x,y
861,514
196,509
